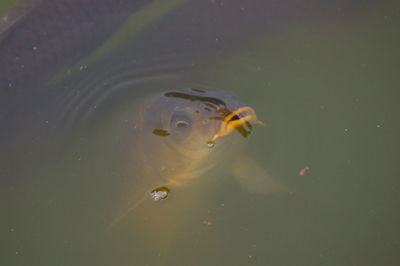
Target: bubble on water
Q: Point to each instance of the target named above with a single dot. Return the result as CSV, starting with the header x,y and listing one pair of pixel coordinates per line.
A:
x,y
159,193
210,144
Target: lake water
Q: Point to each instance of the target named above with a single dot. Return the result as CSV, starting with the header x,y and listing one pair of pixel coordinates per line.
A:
x,y
322,77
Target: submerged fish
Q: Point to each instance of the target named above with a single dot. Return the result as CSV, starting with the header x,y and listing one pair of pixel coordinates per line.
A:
x,y
179,136
183,143
40,37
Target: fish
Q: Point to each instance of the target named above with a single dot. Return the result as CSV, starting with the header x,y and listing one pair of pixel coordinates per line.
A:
x,y
179,137
40,37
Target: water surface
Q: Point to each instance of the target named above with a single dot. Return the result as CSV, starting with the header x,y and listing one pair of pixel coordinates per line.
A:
x,y
321,76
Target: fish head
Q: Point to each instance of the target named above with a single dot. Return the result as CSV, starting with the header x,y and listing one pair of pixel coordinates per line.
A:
x,y
178,136
187,131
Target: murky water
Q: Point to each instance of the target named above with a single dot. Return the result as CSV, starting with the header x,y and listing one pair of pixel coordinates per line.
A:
x,y
76,78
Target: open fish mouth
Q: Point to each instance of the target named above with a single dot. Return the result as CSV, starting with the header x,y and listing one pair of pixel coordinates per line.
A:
x,y
241,119
232,114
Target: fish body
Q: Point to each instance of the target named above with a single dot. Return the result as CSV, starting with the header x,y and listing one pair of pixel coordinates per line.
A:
x,y
40,37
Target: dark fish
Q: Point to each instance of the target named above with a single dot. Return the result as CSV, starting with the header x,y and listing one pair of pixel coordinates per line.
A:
x,y
40,37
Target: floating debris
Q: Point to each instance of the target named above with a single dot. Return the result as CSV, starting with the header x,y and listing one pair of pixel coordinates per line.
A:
x,y
207,223
303,171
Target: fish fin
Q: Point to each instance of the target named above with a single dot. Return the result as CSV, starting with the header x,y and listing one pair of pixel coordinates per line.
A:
x,y
254,178
126,212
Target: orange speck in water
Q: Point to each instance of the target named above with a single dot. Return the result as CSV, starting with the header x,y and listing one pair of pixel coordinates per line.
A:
x,y
303,171
207,223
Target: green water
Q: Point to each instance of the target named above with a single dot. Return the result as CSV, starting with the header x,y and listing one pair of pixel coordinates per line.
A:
x,y
326,89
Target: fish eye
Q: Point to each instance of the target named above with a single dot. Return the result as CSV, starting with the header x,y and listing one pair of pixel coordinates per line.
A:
x,y
181,119
181,123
